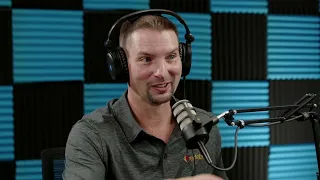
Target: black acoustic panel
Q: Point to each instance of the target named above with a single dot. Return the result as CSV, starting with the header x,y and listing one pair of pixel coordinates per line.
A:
x,y
7,170
48,4
197,92
196,6
287,92
96,27
44,114
292,7
5,47
238,46
251,164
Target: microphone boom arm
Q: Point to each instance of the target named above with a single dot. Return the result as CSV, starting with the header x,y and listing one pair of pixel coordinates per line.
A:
x,y
291,113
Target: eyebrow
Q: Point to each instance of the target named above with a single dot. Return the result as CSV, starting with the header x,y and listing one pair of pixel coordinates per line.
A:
x,y
148,54
175,49
144,53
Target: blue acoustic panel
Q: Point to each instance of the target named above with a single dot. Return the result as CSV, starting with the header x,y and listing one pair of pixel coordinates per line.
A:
x,y
119,4
98,95
293,47
200,27
5,3
58,167
28,170
240,6
236,95
295,161
6,124
47,45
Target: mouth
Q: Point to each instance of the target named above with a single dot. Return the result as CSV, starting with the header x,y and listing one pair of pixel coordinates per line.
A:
x,y
161,88
161,85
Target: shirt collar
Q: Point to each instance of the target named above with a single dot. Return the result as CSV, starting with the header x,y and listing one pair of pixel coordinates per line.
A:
x,y
122,112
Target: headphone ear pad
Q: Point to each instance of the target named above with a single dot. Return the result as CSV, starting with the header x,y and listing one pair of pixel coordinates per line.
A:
x,y
117,64
185,55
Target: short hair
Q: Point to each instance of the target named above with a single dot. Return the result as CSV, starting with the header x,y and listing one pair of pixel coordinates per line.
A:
x,y
145,22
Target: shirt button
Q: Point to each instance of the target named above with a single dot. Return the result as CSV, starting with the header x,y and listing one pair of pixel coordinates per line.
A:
x,y
165,156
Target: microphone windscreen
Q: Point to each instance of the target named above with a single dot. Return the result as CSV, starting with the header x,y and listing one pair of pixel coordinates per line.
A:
x,y
181,114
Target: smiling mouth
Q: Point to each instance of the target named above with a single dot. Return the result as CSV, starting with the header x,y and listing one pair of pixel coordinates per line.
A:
x,y
161,85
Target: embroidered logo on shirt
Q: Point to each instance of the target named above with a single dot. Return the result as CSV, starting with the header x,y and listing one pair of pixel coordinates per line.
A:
x,y
187,158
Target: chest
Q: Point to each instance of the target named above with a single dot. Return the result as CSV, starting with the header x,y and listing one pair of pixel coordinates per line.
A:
x,y
155,160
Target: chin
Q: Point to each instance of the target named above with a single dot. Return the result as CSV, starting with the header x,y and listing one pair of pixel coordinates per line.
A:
x,y
160,98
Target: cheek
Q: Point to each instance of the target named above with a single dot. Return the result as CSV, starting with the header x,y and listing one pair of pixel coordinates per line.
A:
x,y
139,74
143,74
176,70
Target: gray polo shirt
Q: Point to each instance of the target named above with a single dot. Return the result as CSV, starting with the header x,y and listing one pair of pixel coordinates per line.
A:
x,y
109,144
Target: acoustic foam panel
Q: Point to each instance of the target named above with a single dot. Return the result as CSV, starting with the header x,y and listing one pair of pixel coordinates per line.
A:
x,y
97,95
58,168
238,95
238,46
29,169
287,92
96,27
5,3
48,45
293,47
242,6
6,124
293,7
44,114
292,161
116,5
5,47
197,92
56,4
7,170
251,164
200,6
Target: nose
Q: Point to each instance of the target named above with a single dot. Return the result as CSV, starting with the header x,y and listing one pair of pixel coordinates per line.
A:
x,y
161,69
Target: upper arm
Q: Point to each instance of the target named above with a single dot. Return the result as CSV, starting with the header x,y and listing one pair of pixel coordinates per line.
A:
x,y
84,157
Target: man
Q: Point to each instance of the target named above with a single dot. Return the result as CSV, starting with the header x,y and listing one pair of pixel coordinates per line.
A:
x,y
136,136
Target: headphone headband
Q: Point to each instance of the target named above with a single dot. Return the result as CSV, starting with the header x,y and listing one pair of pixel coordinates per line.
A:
x,y
117,59
188,36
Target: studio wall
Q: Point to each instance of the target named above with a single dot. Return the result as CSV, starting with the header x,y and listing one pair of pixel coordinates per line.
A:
x,y
246,54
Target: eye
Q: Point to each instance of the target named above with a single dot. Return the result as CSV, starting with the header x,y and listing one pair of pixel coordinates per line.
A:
x,y
145,59
172,56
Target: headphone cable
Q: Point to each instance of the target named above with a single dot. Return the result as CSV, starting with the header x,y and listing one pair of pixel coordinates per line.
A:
x,y
184,87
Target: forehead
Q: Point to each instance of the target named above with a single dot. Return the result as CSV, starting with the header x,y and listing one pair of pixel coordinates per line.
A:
x,y
153,41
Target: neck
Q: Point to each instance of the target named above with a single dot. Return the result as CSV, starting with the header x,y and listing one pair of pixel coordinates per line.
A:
x,y
155,119
147,113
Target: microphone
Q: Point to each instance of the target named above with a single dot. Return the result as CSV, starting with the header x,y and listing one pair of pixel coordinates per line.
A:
x,y
194,131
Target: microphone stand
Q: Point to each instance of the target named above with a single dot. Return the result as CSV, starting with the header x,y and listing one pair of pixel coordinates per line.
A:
x,y
291,113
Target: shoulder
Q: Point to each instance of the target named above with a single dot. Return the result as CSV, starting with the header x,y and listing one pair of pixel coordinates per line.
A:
x,y
98,117
94,121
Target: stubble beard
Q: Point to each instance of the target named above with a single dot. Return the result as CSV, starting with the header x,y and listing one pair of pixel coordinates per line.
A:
x,y
155,101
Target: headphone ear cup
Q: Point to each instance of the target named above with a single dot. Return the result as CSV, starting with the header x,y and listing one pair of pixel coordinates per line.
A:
x,y
117,64
185,55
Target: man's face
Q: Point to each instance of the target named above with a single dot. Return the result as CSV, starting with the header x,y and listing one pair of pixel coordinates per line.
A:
x,y
154,64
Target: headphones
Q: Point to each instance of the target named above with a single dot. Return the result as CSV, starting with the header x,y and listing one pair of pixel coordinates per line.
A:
x,y
117,60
